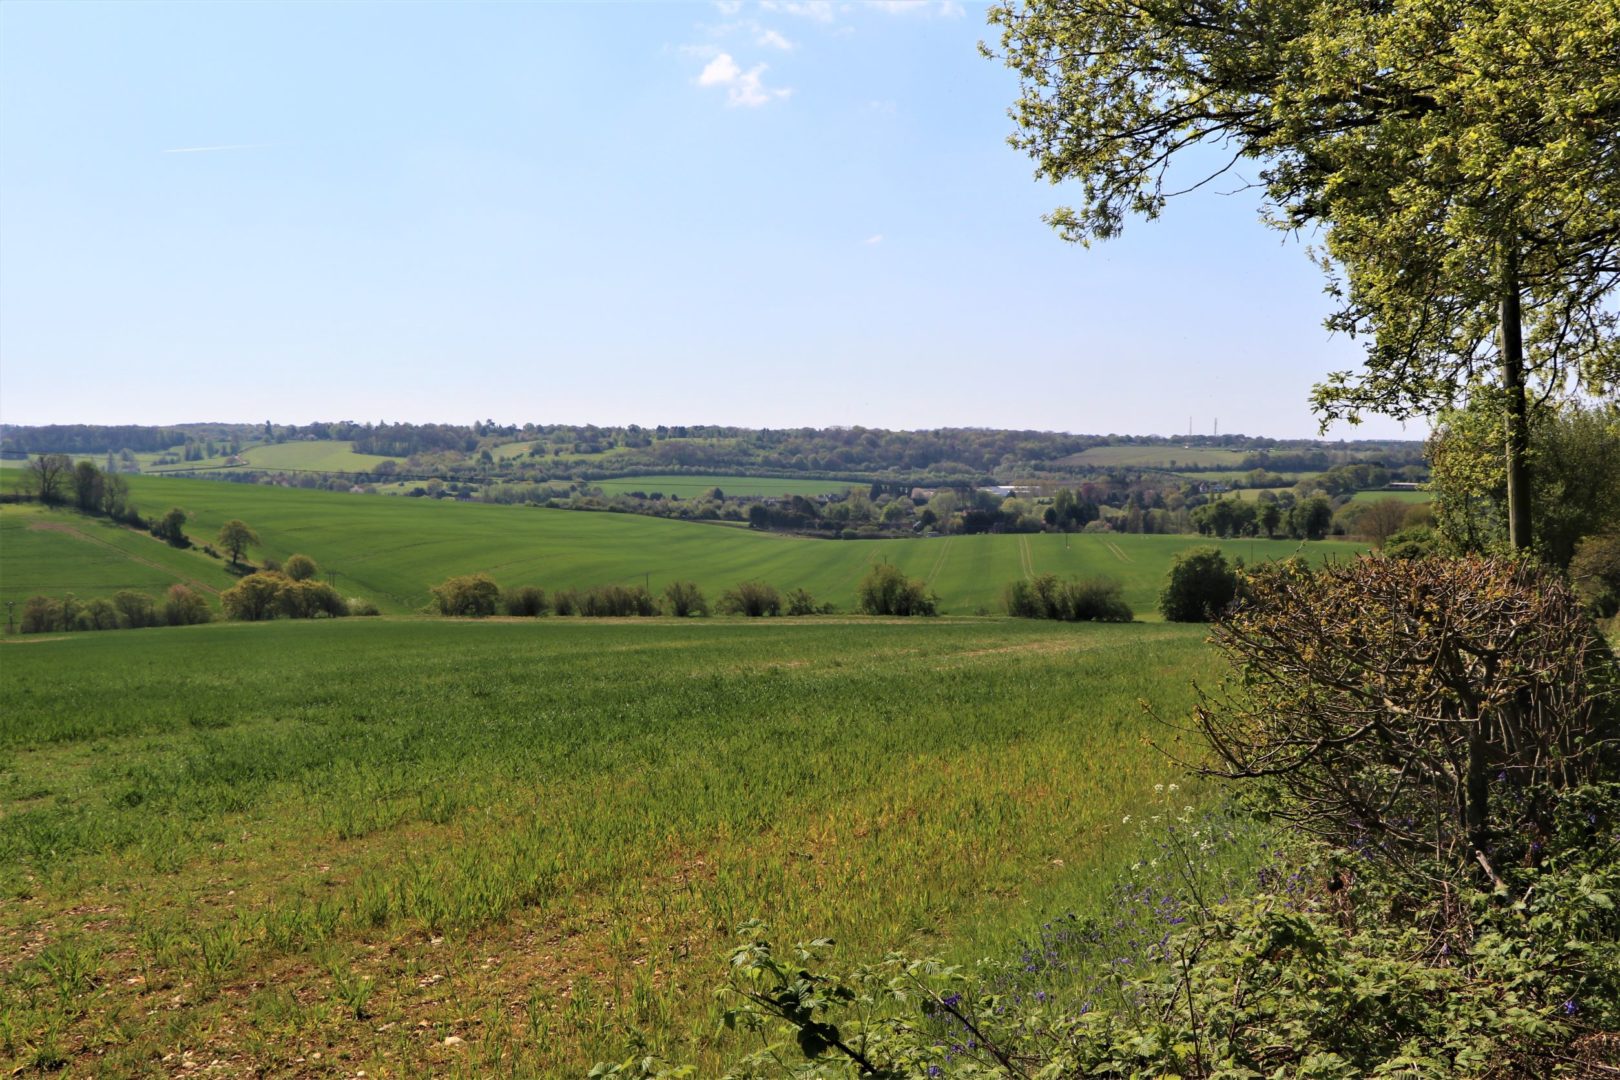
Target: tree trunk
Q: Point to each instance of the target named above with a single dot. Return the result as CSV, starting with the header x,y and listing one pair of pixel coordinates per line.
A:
x,y
1518,422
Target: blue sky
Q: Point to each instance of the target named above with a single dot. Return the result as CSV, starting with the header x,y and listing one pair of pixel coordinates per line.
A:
x,y
772,214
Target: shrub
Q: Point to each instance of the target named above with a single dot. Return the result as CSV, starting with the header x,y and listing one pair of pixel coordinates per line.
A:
x,y
471,596
1199,587
1414,542
751,598
609,601
359,605
310,600
525,601
171,528
1596,572
887,591
98,614
300,567
255,598
135,610
1079,600
684,598
183,607
565,602
800,602
1427,712
41,615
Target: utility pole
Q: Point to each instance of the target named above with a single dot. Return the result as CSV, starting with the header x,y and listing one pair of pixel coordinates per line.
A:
x,y
11,624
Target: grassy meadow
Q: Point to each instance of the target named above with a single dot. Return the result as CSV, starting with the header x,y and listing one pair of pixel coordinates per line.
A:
x,y
314,848
688,487
392,551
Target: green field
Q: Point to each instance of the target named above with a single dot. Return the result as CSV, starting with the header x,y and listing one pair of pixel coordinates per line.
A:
x,y
249,845
393,550
1398,496
1156,457
58,552
691,486
320,456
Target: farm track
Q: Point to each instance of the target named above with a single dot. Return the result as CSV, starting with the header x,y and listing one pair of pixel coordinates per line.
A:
x,y
1025,559
939,563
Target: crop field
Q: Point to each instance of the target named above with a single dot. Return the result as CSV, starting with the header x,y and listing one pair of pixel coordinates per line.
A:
x,y
58,552
1156,457
319,456
691,486
1416,497
393,550
433,847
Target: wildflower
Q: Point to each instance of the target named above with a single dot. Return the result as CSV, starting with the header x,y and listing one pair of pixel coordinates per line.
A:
x,y
1570,1007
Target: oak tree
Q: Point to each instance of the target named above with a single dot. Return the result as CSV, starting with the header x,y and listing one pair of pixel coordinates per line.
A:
x,y
1459,160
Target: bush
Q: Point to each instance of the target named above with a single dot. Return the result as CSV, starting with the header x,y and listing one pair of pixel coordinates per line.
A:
x,y
300,567
1596,572
310,600
183,607
800,602
1200,586
525,601
887,591
1425,712
135,610
751,598
98,614
470,596
1078,600
41,615
1415,542
565,602
255,598
171,528
611,601
359,605
684,598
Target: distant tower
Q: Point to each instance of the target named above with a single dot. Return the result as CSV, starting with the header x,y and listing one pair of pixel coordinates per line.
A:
x,y
1217,426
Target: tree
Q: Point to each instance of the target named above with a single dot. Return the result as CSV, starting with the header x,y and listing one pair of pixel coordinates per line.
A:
x,y
171,528
1459,161
46,477
1575,455
1199,586
114,495
87,486
1381,519
298,567
235,537
254,598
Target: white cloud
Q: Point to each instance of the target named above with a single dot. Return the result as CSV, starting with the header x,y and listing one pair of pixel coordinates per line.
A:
x,y
745,88
728,7
875,238
819,10
721,71
949,9
773,39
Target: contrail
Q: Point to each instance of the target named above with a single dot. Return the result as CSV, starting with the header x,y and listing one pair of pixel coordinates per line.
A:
x,y
205,149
